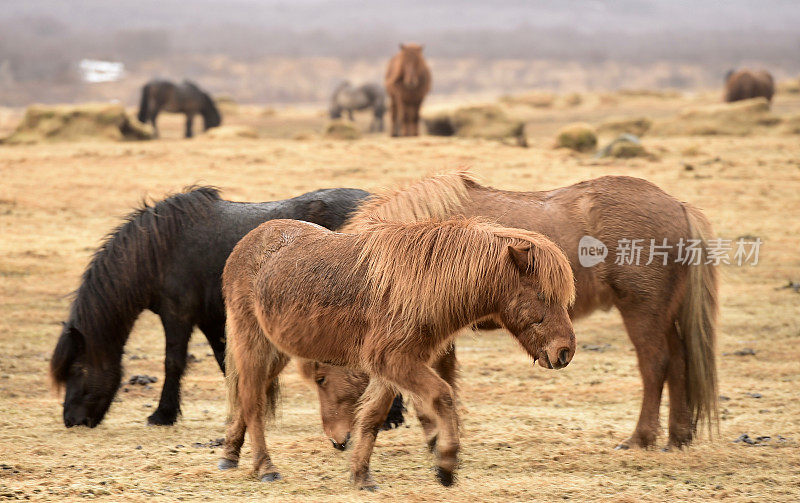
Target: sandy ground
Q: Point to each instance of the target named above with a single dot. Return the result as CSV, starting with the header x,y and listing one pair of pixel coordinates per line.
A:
x,y
530,434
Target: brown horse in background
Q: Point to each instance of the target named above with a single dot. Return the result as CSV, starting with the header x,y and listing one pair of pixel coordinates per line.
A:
x,y
408,80
669,310
387,302
745,84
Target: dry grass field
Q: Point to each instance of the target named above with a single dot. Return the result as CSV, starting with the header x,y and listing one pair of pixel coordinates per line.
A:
x,y
530,434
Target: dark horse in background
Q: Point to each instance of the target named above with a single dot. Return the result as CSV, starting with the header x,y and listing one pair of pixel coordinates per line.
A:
x,y
347,98
167,257
186,98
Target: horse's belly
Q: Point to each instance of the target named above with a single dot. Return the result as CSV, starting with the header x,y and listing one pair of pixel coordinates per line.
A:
x,y
314,333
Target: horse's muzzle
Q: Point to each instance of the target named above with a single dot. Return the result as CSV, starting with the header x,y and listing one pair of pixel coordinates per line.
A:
x,y
343,445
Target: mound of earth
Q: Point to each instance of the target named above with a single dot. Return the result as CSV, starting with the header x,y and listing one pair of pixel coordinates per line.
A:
x,y
579,137
342,130
481,121
230,133
637,126
739,118
91,121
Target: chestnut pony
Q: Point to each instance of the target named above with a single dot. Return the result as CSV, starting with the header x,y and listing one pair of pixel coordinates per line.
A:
x,y
386,301
669,310
408,80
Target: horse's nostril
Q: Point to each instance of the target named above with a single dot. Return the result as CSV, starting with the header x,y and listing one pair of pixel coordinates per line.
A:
x,y
562,356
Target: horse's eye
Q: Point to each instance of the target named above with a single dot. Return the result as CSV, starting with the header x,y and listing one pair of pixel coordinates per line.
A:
x,y
540,296
320,380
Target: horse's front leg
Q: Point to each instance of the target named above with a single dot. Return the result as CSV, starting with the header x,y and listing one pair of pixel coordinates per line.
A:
x,y
412,375
377,400
215,334
153,122
446,366
177,334
395,116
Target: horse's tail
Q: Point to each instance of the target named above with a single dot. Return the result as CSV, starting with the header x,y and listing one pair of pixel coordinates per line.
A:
x,y
143,102
272,397
697,327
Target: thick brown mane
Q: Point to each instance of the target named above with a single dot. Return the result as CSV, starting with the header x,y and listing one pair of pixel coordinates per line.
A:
x,y
430,270
436,197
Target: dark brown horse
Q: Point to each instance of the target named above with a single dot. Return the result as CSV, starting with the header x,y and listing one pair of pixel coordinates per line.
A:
x,y
168,258
669,309
745,84
385,301
408,80
186,98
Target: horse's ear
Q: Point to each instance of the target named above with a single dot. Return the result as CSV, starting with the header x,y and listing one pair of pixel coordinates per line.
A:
x,y
77,338
522,258
70,346
402,46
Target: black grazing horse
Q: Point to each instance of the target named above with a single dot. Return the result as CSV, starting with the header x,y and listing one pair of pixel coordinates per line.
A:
x,y
186,97
166,257
347,98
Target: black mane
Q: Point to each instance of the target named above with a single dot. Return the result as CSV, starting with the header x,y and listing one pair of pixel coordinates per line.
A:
x,y
116,285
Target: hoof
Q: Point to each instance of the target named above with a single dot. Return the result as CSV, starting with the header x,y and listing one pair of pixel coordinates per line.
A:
x,y
369,487
445,477
159,418
227,464
270,477
622,447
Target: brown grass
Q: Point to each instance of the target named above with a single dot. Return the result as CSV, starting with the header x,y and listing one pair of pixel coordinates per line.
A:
x,y
530,434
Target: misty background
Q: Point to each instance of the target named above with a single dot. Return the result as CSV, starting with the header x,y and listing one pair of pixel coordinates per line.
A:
x,y
280,51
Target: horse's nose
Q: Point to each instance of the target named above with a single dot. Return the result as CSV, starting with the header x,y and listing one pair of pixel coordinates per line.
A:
x,y
562,357
70,421
343,445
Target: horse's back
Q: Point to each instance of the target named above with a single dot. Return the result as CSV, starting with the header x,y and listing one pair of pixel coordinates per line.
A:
x,y
609,210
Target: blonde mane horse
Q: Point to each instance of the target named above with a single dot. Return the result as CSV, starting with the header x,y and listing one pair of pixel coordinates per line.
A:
x,y
387,302
669,308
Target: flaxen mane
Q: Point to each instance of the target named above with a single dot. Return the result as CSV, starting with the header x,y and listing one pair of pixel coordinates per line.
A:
x,y
436,197
114,287
431,269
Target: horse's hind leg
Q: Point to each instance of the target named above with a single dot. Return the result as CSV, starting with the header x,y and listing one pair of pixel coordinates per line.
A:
x,y
681,429
177,334
648,334
377,400
258,373
189,121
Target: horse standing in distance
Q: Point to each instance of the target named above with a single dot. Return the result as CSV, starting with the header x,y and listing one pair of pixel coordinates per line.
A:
x,y
347,98
186,98
408,80
745,84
